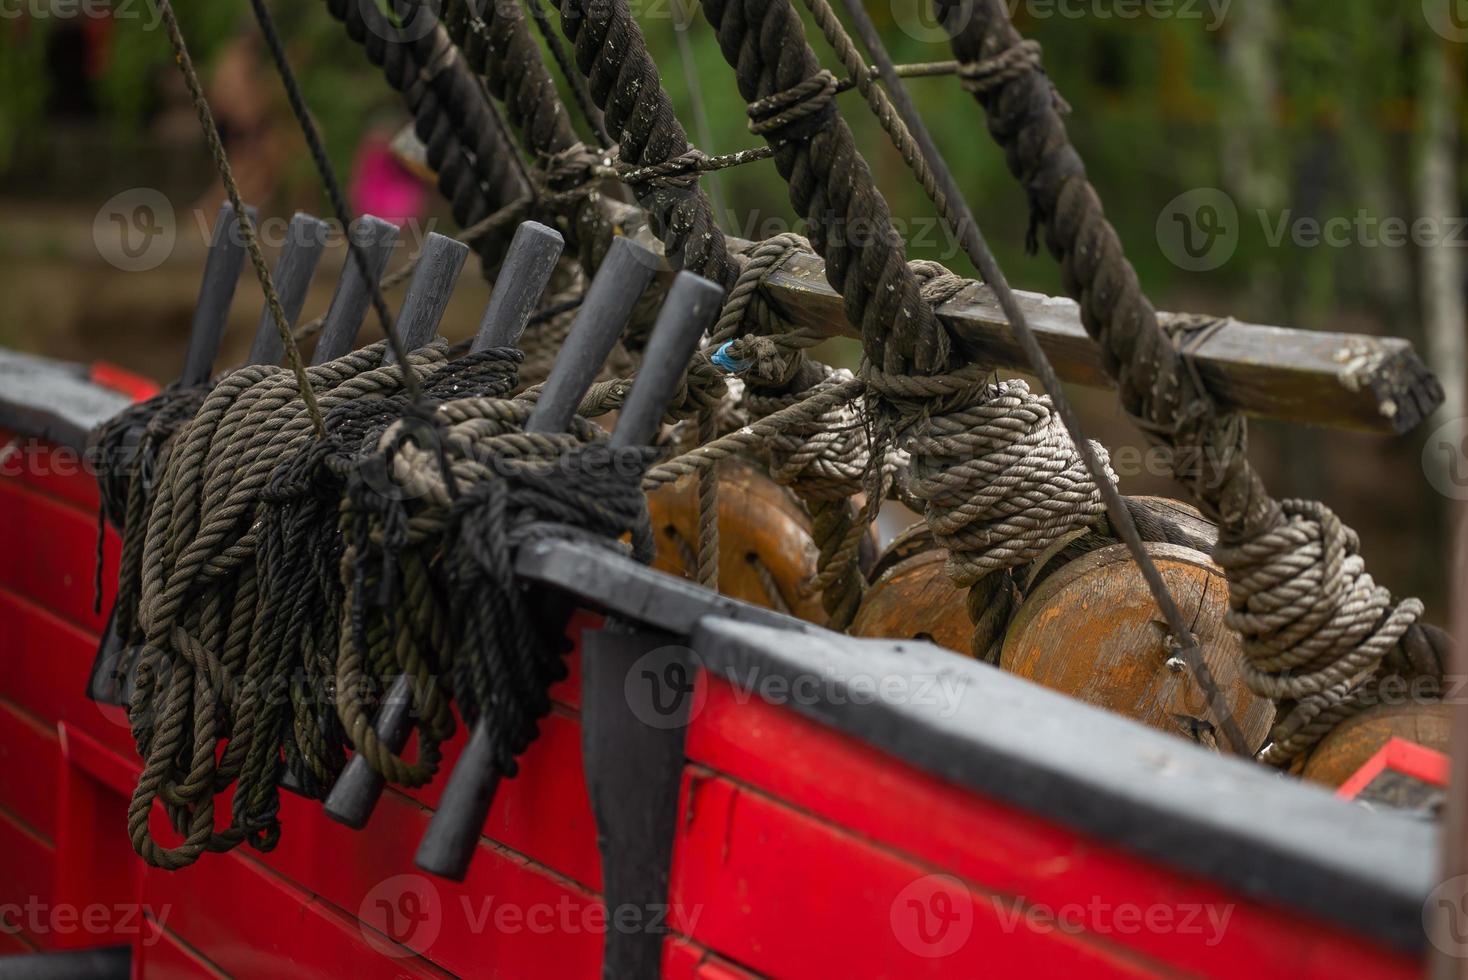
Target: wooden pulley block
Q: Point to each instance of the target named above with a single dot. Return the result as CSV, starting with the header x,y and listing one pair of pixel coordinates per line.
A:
x,y
913,597
1092,630
1354,741
765,549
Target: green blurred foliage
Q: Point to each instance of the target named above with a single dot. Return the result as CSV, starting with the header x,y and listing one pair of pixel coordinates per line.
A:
x,y
1158,110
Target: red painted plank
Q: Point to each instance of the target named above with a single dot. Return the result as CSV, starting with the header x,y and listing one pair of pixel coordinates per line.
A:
x,y
59,543
1012,852
59,472
30,758
546,918
26,897
251,922
94,857
544,812
48,662
1401,756
162,956
684,959
793,896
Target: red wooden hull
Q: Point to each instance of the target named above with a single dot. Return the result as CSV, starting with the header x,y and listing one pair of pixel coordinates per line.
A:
x,y
799,850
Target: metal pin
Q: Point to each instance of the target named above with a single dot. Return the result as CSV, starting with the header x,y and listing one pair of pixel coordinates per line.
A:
x,y
429,291
522,280
376,238
216,293
304,243
453,834
692,304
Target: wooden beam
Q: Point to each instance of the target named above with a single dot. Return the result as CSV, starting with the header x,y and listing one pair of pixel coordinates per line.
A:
x,y
1336,380
1346,381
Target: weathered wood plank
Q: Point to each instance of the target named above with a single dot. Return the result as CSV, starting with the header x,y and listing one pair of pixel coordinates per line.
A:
x,y
1347,381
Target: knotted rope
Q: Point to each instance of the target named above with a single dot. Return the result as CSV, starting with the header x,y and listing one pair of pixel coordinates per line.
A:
x,y
1274,552
824,458
1315,625
228,630
499,488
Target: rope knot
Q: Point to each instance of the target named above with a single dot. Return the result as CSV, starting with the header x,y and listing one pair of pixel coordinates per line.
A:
x,y
1001,480
824,457
681,171
1315,625
797,113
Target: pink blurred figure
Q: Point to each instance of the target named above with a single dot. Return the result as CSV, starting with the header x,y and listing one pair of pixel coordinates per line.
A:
x,y
382,186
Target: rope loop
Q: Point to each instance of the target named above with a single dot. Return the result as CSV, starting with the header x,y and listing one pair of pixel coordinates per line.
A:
x,y
986,75
822,457
1314,623
797,113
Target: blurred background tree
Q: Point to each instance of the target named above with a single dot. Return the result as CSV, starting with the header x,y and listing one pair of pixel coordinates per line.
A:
x,y
1297,110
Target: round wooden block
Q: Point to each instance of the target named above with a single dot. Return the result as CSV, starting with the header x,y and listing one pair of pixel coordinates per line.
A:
x,y
1182,513
910,541
760,524
1092,631
1354,741
915,599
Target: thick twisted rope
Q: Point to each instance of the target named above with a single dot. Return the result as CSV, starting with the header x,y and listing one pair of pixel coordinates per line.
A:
x,y
1165,397
829,183
778,374
624,82
473,164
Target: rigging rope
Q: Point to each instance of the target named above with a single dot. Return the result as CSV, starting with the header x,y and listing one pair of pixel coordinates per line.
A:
x,y
247,226
1294,579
